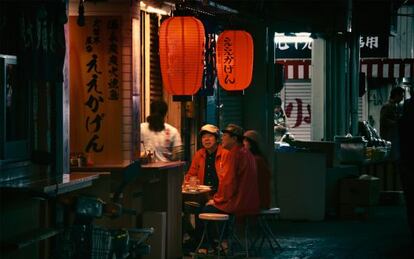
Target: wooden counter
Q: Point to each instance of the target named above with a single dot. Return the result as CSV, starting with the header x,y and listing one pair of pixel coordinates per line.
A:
x,y
162,192
50,185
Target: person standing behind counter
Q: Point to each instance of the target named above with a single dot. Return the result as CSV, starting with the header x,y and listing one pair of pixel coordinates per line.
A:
x,y
160,137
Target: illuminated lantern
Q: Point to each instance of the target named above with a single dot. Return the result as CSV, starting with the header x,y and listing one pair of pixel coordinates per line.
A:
x,y
234,60
181,41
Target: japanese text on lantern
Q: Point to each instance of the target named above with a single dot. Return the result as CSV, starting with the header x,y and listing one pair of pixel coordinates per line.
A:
x,y
94,117
228,61
113,84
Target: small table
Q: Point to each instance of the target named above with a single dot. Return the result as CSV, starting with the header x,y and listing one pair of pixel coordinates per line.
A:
x,y
201,195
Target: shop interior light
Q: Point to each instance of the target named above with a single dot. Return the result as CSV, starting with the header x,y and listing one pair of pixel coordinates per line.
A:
x,y
294,38
150,9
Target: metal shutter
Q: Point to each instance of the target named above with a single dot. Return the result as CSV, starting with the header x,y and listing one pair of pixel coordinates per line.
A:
x,y
296,96
231,108
155,69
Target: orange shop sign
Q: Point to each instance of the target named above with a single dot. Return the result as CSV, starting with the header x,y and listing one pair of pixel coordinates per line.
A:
x,y
95,88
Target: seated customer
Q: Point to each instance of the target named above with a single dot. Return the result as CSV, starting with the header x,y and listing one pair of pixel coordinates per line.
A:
x,y
252,142
238,190
206,163
208,160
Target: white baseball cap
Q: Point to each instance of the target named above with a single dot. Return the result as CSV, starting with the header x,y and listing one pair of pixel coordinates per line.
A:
x,y
209,128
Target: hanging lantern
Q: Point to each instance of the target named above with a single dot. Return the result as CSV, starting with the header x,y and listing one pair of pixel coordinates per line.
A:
x,y
181,41
234,57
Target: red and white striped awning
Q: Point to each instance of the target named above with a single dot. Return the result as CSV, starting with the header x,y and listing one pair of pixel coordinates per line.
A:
x,y
377,68
387,68
296,69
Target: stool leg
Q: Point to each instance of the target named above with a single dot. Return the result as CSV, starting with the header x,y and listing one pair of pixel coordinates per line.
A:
x,y
223,229
246,237
233,238
262,233
271,235
202,238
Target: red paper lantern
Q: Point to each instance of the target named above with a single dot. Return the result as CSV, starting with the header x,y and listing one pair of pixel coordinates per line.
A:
x,y
181,41
234,57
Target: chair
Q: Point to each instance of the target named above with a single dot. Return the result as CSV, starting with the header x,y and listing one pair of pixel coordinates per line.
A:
x,y
216,218
265,231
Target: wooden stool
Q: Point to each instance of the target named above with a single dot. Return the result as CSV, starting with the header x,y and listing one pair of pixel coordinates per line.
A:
x,y
265,231
217,218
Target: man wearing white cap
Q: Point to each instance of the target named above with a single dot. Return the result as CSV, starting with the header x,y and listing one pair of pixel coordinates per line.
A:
x,y
207,163
208,160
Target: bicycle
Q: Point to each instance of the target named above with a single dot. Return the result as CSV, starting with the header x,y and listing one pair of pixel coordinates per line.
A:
x,y
84,240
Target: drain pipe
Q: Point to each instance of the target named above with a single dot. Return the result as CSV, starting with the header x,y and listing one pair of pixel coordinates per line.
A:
x,y
353,40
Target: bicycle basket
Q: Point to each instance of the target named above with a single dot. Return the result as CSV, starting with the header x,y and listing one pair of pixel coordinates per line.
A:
x,y
85,242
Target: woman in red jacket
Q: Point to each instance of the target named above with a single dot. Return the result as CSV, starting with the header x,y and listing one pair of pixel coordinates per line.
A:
x,y
251,142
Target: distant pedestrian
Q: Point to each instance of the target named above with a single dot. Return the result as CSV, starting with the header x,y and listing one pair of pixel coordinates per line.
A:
x,y
406,130
389,117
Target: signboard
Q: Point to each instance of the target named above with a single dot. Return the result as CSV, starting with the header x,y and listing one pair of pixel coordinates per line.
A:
x,y
373,46
370,46
293,49
95,88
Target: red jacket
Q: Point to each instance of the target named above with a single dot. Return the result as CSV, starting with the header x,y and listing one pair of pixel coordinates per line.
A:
x,y
238,189
263,179
199,163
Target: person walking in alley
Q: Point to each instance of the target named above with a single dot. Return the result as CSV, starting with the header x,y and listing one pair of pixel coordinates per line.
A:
x,y
406,130
389,116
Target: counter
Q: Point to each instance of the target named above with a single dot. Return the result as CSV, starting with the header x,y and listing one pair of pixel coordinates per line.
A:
x,y
161,192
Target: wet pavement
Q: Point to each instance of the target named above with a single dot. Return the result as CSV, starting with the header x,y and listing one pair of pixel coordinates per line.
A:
x,y
384,234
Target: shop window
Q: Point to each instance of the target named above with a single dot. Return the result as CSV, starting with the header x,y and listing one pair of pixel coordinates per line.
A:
x,y
14,112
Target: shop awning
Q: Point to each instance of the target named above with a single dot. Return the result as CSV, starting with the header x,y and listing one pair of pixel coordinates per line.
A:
x,y
296,69
373,68
387,68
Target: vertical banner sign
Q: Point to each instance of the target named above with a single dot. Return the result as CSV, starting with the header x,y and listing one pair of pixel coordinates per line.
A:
x,y
95,88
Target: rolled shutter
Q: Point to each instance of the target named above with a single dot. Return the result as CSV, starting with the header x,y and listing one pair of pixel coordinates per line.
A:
x,y
231,110
297,102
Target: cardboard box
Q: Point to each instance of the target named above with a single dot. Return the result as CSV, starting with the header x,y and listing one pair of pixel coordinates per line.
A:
x,y
364,192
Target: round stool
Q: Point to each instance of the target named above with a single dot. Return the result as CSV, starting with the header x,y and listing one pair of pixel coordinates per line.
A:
x,y
217,218
265,231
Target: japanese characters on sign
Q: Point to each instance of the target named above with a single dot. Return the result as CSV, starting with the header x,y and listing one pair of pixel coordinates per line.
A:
x,y
228,61
293,49
300,117
113,84
94,117
371,46
96,87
